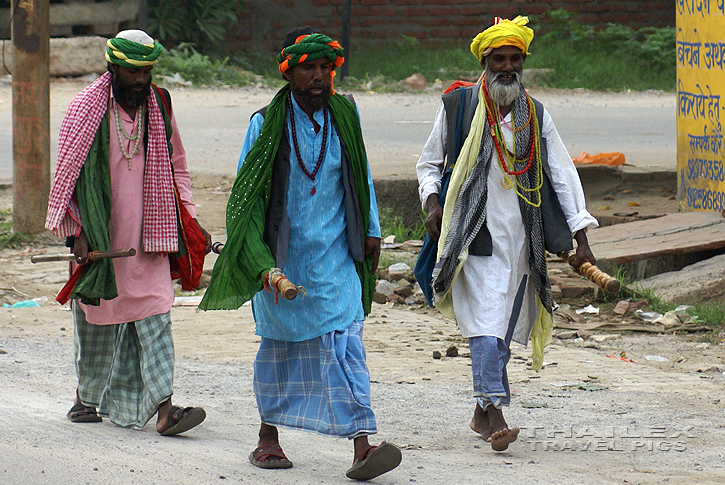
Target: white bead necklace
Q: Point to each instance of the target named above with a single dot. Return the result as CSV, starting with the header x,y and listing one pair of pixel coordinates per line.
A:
x,y
122,133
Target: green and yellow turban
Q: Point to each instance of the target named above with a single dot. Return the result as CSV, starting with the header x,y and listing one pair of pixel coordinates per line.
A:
x,y
311,47
133,49
503,32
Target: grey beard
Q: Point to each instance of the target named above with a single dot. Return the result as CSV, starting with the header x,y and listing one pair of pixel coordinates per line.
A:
x,y
502,94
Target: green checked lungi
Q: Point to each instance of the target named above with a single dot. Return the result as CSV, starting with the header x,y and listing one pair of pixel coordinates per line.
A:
x,y
125,370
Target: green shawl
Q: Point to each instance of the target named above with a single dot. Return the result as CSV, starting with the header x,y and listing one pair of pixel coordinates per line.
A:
x,y
97,281
246,259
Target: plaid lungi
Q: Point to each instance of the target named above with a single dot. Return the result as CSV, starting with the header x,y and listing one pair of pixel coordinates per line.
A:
x,y
320,385
125,370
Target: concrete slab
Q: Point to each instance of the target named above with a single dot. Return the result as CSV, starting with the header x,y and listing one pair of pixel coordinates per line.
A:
x,y
660,244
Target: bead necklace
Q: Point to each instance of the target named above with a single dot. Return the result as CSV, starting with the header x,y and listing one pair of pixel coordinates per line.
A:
x,y
122,133
534,152
297,148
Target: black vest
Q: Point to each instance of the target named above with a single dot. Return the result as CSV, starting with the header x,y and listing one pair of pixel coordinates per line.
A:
x,y
460,105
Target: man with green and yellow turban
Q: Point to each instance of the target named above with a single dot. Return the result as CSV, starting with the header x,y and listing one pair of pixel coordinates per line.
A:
x,y
119,159
499,189
303,204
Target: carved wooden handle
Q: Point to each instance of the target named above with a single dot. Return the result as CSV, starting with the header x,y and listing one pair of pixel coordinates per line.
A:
x,y
594,274
283,285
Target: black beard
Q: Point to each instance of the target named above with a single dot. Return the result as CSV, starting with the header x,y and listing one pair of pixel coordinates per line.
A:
x,y
123,93
311,101
502,94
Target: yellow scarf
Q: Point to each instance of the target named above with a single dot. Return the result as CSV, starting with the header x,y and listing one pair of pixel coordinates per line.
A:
x,y
543,326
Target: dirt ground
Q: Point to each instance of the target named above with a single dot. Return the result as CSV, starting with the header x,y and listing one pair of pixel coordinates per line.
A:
x,y
588,417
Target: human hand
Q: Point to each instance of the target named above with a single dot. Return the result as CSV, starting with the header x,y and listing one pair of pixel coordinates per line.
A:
x,y
372,246
80,248
434,218
583,251
207,237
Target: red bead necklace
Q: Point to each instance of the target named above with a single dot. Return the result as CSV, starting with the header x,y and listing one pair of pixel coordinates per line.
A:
x,y
297,148
497,143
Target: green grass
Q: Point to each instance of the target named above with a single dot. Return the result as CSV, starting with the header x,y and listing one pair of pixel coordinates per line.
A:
x,y
710,313
8,237
201,70
392,224
615,58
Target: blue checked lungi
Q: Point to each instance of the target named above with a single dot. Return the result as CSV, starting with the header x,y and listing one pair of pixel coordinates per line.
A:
x,y
320,385
125,370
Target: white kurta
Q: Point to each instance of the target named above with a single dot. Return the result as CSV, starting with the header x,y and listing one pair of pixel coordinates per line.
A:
x,y
483,293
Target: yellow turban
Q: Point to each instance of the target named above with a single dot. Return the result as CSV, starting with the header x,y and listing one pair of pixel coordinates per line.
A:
x,y
503,32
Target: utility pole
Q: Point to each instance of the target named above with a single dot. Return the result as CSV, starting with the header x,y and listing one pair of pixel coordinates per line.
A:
x,y
31,114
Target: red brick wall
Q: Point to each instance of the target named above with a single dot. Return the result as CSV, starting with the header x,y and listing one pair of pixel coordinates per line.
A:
x,y
436,23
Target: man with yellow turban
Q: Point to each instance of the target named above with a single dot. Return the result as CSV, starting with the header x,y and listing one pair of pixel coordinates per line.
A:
x,y
120,164
303,203
500,190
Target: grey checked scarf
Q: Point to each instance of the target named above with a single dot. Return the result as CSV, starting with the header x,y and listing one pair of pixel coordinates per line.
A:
x,y
469,212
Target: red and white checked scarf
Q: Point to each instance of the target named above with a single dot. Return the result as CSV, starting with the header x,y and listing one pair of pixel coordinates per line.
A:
x,y
77,133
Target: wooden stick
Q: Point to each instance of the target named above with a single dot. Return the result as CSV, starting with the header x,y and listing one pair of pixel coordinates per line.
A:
x,y
279,282
92,256
594,274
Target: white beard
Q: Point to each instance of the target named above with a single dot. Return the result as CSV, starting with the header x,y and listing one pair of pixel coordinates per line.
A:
x,y
502,94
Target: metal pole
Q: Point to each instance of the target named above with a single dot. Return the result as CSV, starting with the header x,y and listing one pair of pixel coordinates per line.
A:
x,y
345,38
31,114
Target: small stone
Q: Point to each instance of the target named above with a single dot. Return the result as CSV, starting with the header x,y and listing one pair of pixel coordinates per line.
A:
x,y
452,351
566,334
436,355
622,307
416,81
398,268
576,291
385,287
669,320
401,275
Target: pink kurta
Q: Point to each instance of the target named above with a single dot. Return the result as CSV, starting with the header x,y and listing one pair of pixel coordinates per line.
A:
x,y
143,281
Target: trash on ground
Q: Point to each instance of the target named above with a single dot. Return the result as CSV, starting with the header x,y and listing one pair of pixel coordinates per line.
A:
x,y
648,316
589,309
656,358
623,359
23,304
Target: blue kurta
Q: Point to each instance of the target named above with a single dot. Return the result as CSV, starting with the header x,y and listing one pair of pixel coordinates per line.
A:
x,y
318,256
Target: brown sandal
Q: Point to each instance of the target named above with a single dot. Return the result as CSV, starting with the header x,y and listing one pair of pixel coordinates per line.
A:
x,y
261,455
83,414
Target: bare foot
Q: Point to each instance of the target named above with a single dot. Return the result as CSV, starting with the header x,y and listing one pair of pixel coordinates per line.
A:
x,y
480,423
500,440
501,435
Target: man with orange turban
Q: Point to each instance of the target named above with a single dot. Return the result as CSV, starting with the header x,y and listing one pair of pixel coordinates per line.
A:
x,y
303,203
500,190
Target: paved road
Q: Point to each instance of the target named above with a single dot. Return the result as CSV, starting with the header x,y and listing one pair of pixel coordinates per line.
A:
x,y
213,123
